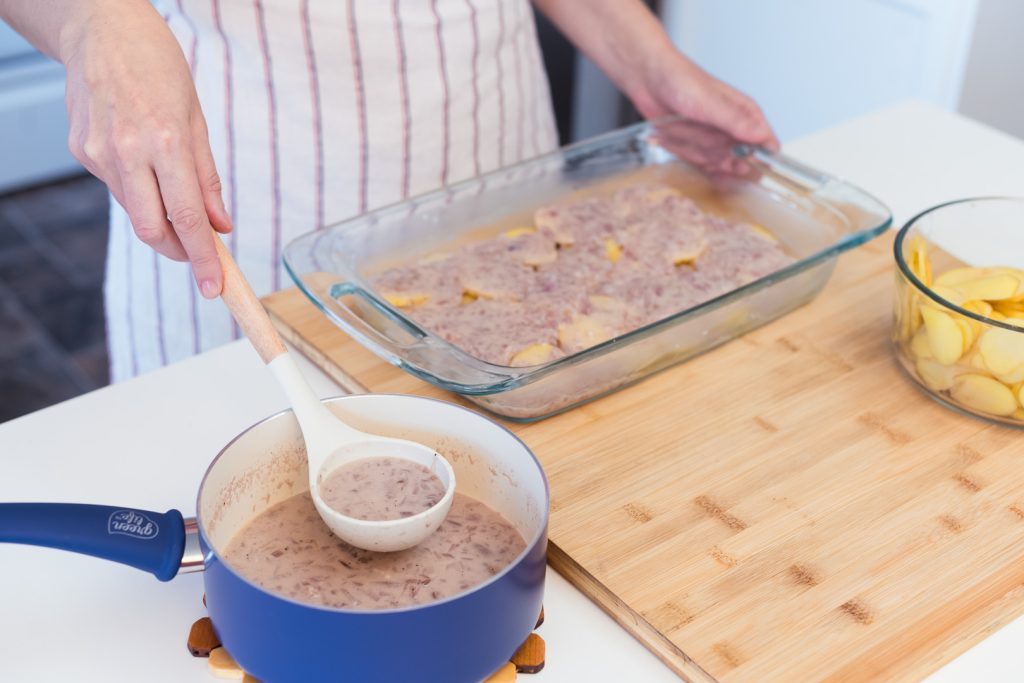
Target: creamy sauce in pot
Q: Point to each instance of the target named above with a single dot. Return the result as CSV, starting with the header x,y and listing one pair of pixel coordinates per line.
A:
x,y
381,488
288,550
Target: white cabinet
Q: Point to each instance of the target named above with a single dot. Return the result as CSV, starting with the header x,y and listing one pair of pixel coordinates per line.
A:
x,y
993,91
33,123
814,63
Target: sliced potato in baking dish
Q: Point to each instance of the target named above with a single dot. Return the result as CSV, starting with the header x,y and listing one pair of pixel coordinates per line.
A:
x,y
519,232
612,250
661,193
687,255
534,354
405,299
583,332
551,221
764,232
504,280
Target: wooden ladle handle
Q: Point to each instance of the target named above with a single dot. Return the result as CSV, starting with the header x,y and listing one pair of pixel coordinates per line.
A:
x,y
247,309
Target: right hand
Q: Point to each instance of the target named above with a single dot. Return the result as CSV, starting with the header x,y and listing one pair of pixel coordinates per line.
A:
x,y
136,124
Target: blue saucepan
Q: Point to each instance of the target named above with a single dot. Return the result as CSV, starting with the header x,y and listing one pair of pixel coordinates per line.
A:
x,y
462,638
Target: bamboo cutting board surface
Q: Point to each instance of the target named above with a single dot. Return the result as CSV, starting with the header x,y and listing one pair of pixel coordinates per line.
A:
x,y
787,507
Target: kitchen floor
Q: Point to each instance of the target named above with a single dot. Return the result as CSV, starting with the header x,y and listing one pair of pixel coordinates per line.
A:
x,y
53,242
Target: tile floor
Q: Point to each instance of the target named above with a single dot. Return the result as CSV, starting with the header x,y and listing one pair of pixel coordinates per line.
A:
x,y
53,243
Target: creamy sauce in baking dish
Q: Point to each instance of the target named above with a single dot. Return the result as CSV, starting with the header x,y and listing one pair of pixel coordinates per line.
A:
x,y
381,488
288,550
581,273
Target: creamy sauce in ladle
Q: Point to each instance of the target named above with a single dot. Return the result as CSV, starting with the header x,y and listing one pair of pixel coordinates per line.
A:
x,y
381,488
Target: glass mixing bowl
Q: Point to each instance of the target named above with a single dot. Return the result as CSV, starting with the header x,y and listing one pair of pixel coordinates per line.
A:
x,y
959,323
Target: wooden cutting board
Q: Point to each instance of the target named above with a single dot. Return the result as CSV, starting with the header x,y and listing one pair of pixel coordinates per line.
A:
x,y
788,507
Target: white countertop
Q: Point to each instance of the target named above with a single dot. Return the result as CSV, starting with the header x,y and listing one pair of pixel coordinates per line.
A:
x,y
146,443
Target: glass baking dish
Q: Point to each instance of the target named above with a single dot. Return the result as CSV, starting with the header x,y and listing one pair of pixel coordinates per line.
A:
x,y
815,216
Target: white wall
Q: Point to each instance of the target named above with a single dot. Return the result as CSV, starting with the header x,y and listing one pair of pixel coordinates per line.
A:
x,y
814,63
994,83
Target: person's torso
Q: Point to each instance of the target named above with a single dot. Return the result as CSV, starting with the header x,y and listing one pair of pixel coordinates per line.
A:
x,y
367,101
319,110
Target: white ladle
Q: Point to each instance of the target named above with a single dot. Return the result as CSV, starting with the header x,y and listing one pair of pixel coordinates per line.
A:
x,y
330,443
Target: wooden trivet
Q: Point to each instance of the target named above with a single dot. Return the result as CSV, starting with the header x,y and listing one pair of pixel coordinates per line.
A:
x,y
506,674
223,665
204,642
202,639
529,658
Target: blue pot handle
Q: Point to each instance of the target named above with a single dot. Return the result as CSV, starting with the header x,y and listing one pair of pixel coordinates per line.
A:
x,y
150,541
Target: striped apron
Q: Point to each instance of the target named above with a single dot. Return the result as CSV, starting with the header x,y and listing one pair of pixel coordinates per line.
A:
x,y
319,110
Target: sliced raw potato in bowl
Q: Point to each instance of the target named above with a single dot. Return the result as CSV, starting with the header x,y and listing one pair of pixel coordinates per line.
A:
x,y
989,288
919,262
945,338
984,394
935,375
958,351
920,346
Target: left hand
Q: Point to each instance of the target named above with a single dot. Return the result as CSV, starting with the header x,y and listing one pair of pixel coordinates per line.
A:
x,y
627,41
671,84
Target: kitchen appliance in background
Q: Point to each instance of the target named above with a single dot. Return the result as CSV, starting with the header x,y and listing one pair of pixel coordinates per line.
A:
x,y
586,103
813,64
33,122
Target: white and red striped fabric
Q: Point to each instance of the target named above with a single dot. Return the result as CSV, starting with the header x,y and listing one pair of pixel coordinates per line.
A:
x,y
319,110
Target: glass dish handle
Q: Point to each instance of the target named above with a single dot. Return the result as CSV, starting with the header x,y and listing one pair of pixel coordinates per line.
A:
x,y
401,342
367,332
784,168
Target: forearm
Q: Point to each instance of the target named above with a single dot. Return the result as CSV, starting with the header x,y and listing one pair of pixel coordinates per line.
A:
x,y
620,36
55,26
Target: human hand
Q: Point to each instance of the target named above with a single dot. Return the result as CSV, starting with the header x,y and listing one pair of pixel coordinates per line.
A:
x,y
627,41
717,118
136,124
670,84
